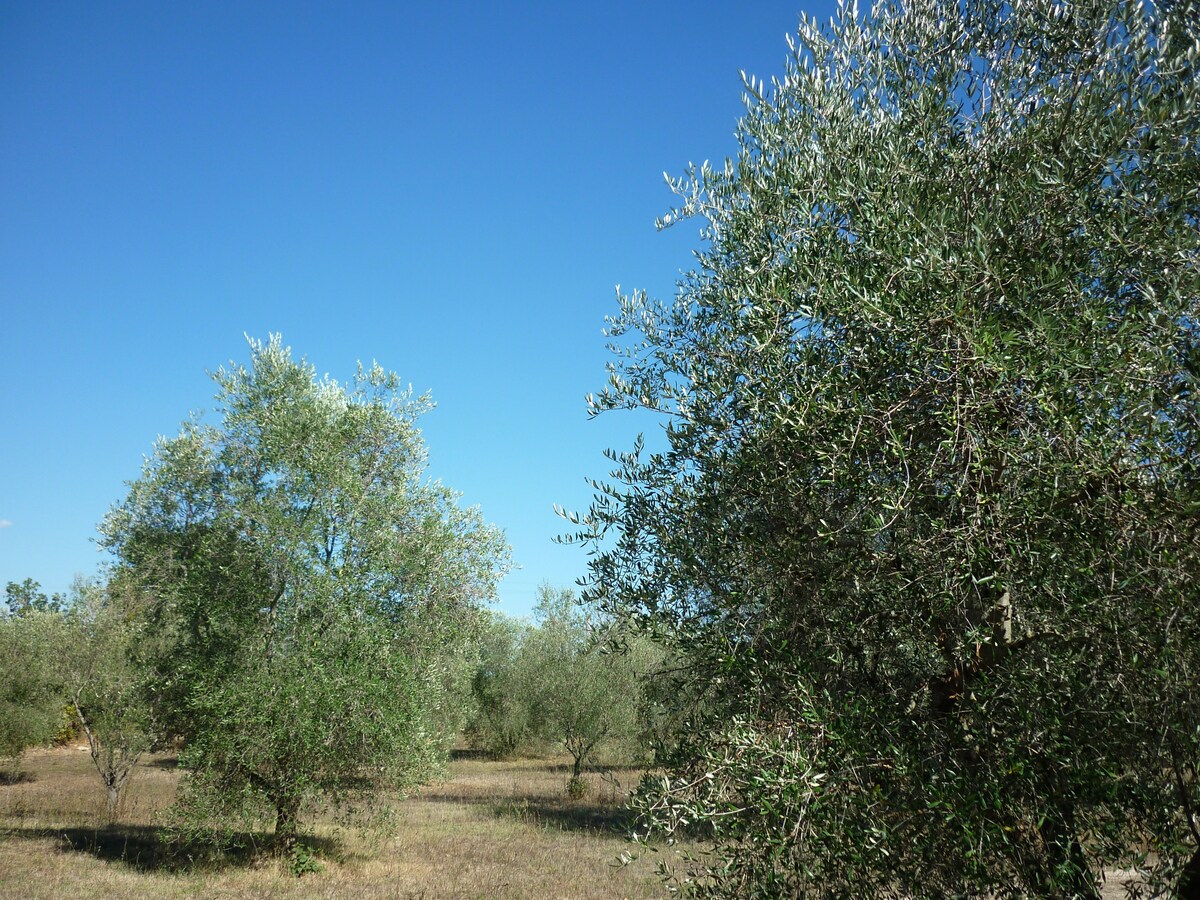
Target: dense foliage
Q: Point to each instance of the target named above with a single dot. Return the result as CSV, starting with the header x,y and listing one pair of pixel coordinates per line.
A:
x,y
30,699
309,589
924,531
500,723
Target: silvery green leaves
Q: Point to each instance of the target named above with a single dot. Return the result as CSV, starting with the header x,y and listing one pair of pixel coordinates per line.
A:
x,y
308,586
930,475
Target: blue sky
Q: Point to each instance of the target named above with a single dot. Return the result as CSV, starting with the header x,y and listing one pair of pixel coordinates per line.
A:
x,y
453,190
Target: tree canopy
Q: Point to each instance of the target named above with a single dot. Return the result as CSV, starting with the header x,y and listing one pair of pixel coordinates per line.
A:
x,y
27,597
308,586
30,699
924,528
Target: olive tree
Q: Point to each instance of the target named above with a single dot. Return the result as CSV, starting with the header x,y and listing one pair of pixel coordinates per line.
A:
x,y
500,723
307,586
923,527
101,642
582,691
30,695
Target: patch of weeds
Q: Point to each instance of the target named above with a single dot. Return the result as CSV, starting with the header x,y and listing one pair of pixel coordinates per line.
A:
x,y
577,788
11,774
303,860
521,810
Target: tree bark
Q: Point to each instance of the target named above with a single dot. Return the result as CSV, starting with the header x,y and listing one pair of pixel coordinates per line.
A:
x,y
114,798
287,822
1188,887
1069,875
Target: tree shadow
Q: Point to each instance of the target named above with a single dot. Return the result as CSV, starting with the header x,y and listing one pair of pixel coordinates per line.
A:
x,y
15,776
570,816
458,754
143,848
564,814
152,849
593,770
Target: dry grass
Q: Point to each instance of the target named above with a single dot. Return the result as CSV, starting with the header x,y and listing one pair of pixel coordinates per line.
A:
x,y
493,829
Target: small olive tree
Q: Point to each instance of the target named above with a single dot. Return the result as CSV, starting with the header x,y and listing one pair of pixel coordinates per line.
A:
x,y
306,587
582,690
101,642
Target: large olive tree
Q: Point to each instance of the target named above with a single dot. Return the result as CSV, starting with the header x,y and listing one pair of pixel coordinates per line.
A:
x,y
924,528
306,587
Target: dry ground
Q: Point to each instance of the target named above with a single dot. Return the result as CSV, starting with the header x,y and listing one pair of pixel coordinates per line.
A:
x,y
493,830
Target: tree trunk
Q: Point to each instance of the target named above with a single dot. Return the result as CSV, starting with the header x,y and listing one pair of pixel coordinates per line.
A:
x,y
114,773
287,822
1189,881
577,770
113,765
1069,875
114,798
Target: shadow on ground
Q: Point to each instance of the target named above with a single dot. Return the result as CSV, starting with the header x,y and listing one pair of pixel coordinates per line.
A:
x,y
601,770
149,849
569,816
461,754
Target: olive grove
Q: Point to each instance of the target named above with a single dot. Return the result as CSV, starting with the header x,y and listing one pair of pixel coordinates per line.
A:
x,y
571,680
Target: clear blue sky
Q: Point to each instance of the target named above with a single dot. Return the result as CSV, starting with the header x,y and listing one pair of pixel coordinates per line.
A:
x,y
451,189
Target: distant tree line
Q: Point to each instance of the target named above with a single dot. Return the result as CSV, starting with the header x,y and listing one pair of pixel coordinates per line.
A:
x,y
574,680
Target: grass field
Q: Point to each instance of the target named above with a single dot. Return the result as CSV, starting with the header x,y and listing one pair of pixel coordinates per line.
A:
x,y
493,829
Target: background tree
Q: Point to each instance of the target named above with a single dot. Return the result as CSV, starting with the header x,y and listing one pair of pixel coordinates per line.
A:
x,y
30,692
500,722
27,596
583,692
924,528
102,637
308,586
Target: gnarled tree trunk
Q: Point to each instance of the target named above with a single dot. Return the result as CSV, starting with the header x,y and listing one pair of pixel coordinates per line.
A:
x,y
287,824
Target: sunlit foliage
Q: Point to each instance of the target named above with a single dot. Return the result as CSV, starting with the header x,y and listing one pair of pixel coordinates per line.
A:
x,y
925,528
